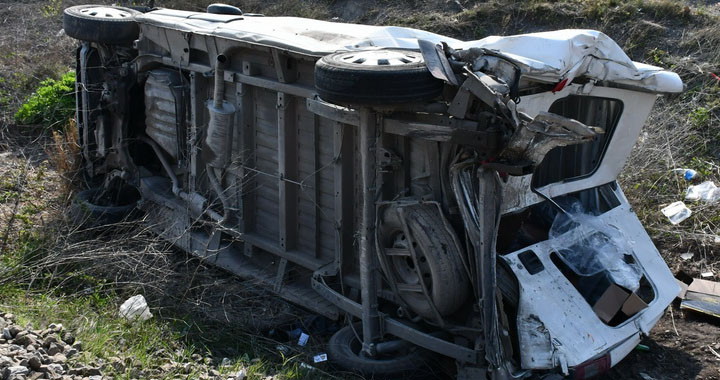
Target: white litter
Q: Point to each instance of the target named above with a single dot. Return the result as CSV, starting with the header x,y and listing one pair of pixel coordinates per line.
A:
x,y
135,308
706,191
320,358
687,256
303,339
676,212
707,274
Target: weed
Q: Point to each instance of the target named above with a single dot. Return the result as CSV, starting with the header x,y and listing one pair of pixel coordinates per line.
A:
x,y
700,116
52,104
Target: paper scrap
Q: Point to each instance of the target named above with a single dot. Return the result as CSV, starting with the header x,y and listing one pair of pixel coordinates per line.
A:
x,y
320,358
303,339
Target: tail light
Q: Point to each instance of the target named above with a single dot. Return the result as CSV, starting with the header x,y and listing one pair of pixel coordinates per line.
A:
x,y
592,368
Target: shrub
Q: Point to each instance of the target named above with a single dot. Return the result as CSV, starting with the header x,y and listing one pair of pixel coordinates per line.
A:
x,y
52,104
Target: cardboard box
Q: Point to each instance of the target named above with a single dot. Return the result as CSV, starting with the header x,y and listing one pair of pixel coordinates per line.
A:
x,y
616,299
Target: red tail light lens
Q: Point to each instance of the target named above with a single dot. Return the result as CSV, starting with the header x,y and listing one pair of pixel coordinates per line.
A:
x,y
592,368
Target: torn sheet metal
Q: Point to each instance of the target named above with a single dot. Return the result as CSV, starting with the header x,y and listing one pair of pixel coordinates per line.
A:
x,y
533,140
549,56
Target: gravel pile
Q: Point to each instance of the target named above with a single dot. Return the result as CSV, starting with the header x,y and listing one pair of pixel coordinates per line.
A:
x,y
28,354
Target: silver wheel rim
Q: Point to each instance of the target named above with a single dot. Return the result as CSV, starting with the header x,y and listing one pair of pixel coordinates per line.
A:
x,y
106,13
382,58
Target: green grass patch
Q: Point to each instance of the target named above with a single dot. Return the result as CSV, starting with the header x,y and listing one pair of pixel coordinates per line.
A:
x,y
52,103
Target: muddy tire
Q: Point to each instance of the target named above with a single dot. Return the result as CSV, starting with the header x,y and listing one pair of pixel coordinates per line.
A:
x,y
375,77
439,259
101,23
85,212
344,352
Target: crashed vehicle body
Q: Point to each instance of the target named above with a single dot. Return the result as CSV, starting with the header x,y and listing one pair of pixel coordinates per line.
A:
x,y
458,199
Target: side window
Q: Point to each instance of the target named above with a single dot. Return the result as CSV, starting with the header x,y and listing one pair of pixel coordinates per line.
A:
x,y
576,161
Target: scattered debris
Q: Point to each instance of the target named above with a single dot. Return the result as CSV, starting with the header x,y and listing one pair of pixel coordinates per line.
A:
x,y
686,256
703,296
676,212
688,174
645,376
706,191
707,274
319,358
303,339
134,308
642,347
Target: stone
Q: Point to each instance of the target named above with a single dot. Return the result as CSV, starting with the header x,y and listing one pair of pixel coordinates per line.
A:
x,y
77,345
24,340
14,330
59,358
15,371
95,377
54,349
34,363
6,333
68,337
71,352
49,340
57,368
36,376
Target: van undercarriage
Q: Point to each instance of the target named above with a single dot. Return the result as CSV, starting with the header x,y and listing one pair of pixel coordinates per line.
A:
x,y
454,199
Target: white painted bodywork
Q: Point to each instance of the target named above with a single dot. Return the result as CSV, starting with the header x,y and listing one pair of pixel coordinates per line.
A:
x,y
555,321
548,57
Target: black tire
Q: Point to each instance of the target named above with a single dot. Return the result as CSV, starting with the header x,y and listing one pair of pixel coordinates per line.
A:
x,y
343,351
440,262
375,77
86,213
101,23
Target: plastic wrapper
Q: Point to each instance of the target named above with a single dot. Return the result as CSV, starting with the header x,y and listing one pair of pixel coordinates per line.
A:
x,y
706,191
589,246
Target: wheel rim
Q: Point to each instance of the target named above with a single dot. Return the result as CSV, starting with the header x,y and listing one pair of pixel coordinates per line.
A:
x,y
106,13
404,266
382,58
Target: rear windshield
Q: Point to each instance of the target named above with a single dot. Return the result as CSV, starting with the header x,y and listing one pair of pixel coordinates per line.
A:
x,y
577,161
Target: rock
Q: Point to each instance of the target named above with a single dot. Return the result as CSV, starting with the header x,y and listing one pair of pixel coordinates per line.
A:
x,y
71,352
59,358
15,371
36,376
5,361
49,340
166,368
10,317
14,330
54,349
214,372
56,368
34,363
6,333
77,346
68,337
96,377
24,340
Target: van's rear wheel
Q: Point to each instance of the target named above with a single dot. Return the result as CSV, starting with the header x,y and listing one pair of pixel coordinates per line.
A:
x,y
375,77
101,23
345,352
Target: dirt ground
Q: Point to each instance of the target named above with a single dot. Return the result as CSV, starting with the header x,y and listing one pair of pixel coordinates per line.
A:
x,y
682,345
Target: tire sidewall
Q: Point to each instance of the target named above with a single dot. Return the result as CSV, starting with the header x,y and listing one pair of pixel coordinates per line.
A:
x,y
102,30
